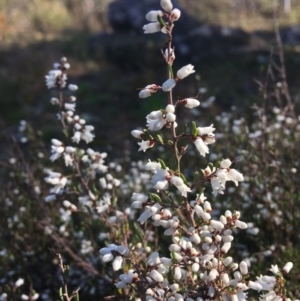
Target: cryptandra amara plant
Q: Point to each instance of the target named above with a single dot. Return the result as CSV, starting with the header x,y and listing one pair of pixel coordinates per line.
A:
x,y
196,267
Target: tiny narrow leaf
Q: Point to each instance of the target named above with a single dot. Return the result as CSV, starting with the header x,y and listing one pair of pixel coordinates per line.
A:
x,y
194,129
162,163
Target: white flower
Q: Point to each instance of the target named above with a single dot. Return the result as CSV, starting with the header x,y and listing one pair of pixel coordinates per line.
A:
x,y
274,269
213,274
144,145
137,134
76,137
153,166
177,273
175,14
243,267
52,78
19,282
185,71
201,147
225,163
178,182
56,149
86,135
57,180
240,224
254,285
149,212
166,5
170,117
288,266
151,27
155,121
216,224
168,85
206,130
70,106
72,87
144,93
159,179
117,263
170,109
153,14
154,259
235,176
156,276
191,103
170,55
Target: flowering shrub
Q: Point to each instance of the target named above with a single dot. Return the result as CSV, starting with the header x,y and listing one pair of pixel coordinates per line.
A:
x,y
169,242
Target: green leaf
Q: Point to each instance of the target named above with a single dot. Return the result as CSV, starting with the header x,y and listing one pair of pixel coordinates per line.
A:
x,y
147,135
170,142
170,70
61,296
196,177
138,231
218,164
161,21
211,165
76,297
194,129
183,178
155,197
162,163
159,137
66,133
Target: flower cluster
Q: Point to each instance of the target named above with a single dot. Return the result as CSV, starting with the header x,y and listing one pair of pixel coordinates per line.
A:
x,y
197,267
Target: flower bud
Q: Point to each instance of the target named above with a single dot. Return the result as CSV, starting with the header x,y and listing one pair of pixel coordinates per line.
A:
x,y
137,134
175,14
153,14
255,286
213,274
185,71
156,276
170,117
72,87
144,93
216,224
117,263
177,273
288,266
191,103
225,163
168,85
240,224
227,261
151,27
166,5
243,267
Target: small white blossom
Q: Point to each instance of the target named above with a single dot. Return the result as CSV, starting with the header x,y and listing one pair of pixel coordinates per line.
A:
x,y
288,266
191,103
153,14
185,71
151,27
166,5
144,145
72,87
175,14
168,85
155,121
178,182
